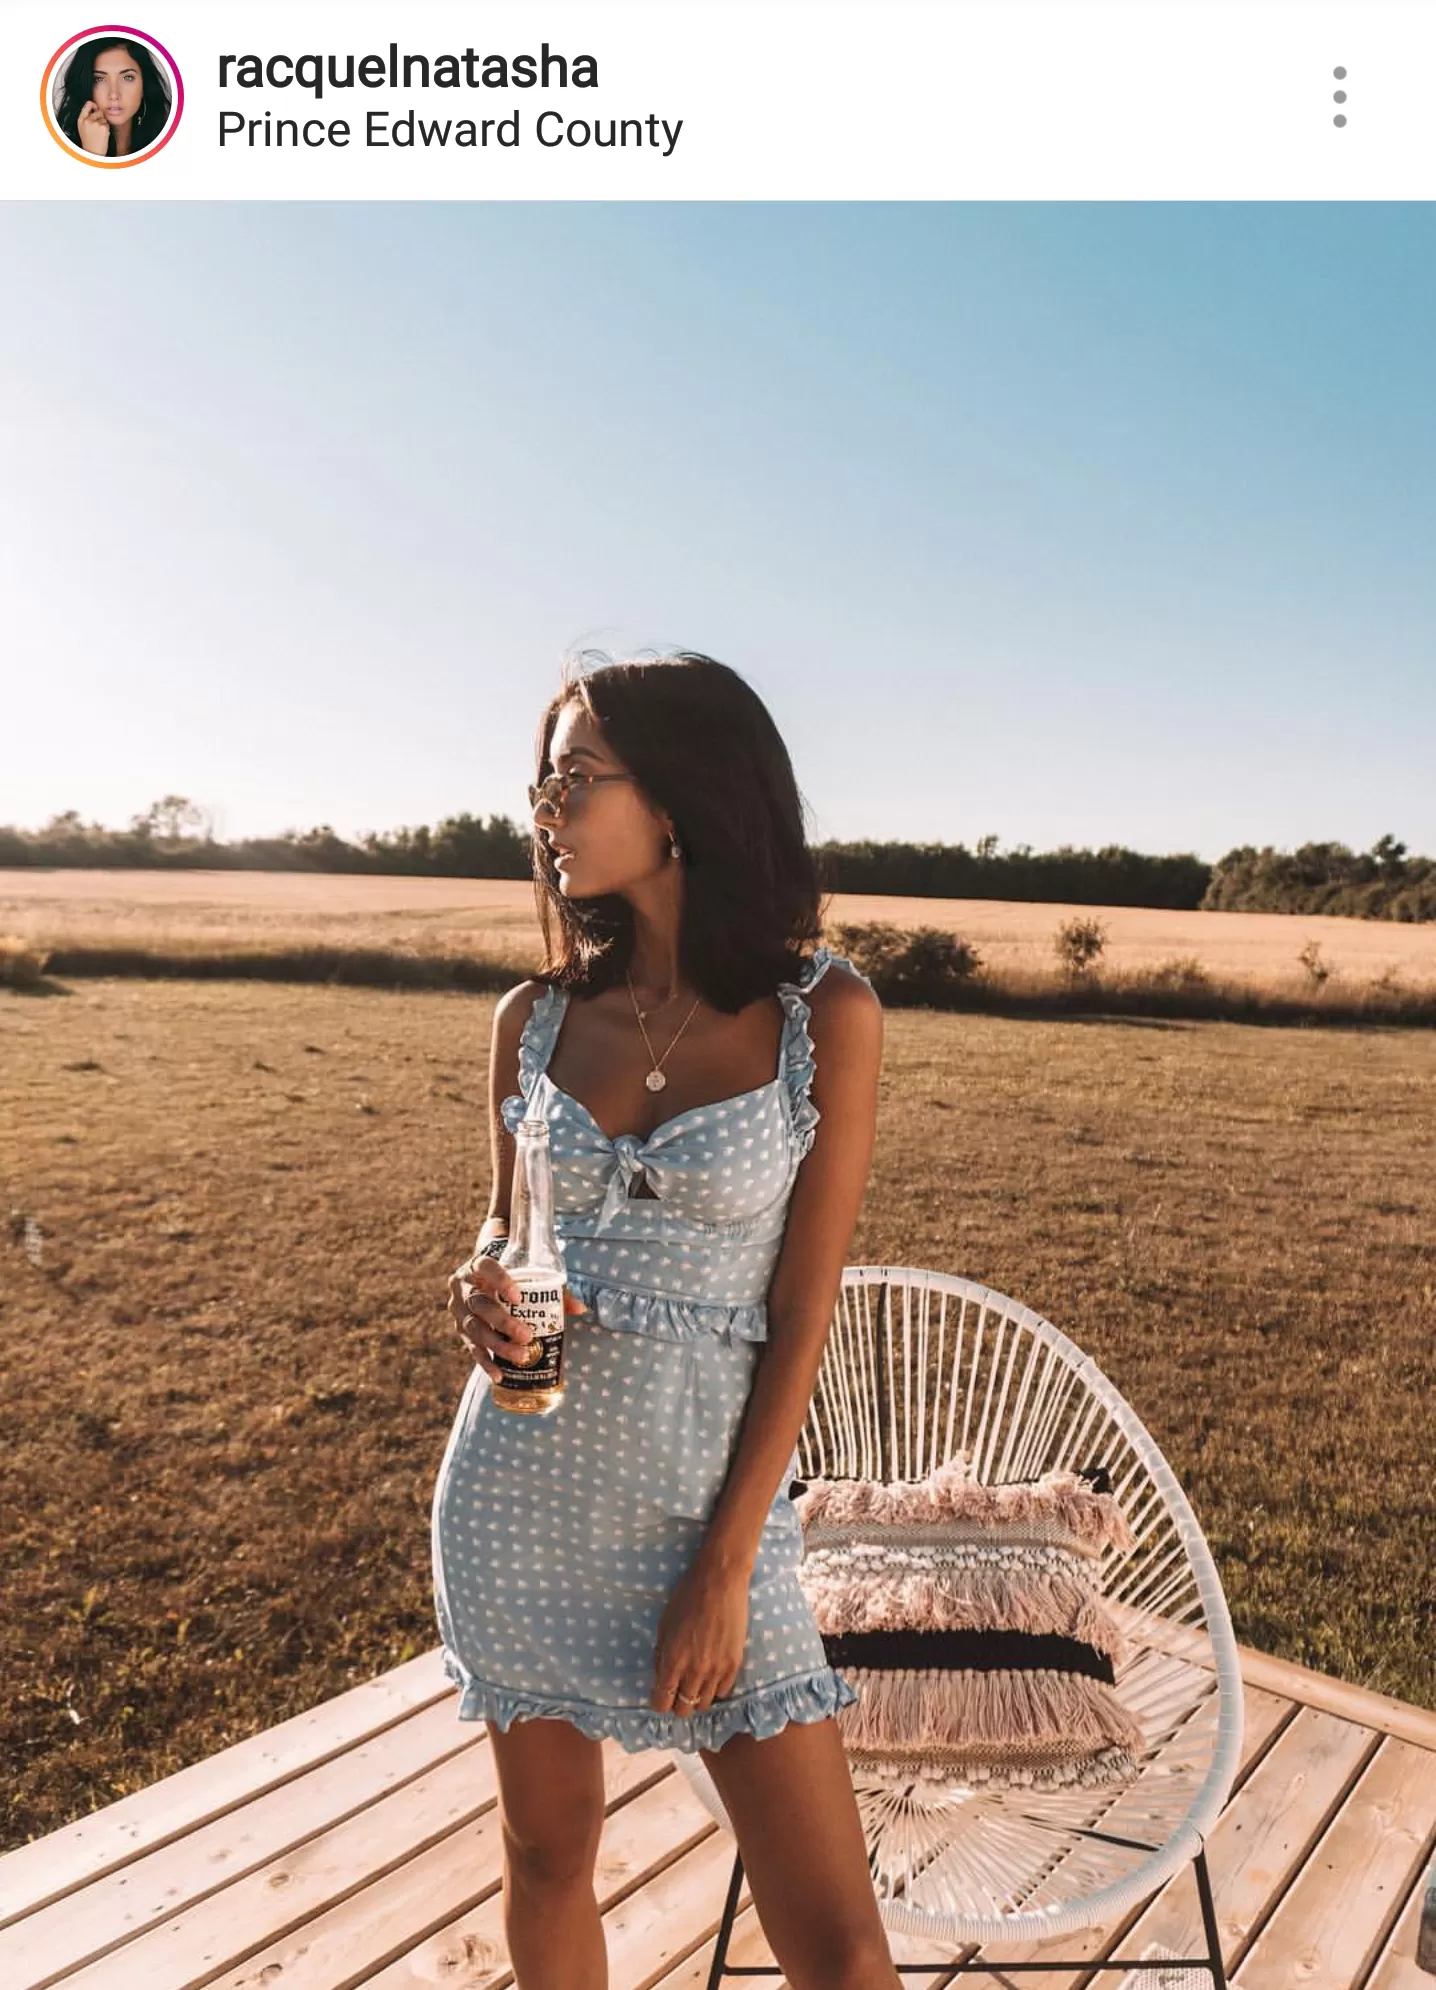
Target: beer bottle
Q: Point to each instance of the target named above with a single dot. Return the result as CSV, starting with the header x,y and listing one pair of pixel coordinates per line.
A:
x,y
531,1379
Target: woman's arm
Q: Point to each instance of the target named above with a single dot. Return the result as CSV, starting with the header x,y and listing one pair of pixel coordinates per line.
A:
x,y
847,1033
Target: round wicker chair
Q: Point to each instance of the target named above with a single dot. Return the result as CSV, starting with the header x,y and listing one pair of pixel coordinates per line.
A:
x,y
919,1366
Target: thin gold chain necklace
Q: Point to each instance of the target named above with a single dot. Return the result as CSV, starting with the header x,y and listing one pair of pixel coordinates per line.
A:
x,y
655,1080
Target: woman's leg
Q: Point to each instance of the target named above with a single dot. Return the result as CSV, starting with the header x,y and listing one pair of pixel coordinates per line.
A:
x,y
791,1801
551,1810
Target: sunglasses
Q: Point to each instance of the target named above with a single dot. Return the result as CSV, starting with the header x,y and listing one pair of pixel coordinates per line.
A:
x,y
553,791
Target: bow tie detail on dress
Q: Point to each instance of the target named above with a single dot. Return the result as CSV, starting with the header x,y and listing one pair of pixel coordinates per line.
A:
x,y
627,1169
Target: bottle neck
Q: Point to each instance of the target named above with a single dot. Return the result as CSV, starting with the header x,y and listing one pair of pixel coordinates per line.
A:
x,y
533,1236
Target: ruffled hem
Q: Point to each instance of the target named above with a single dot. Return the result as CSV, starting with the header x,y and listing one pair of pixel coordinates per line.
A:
x,y
809,1696
665,1318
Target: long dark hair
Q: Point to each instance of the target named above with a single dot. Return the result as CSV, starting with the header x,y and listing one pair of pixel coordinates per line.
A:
x,y
705,750
76,90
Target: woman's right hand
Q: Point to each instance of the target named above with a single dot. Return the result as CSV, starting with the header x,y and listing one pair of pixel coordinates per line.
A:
x,y
94,128
480,1298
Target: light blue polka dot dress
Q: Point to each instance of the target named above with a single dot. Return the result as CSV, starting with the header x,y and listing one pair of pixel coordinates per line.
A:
x,y
558,1539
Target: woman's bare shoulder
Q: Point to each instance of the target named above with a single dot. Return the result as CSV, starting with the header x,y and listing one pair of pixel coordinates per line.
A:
x,y
846,1010
512,1012
520,999
843,987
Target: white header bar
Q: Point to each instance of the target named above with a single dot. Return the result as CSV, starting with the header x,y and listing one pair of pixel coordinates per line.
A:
x,y
747,100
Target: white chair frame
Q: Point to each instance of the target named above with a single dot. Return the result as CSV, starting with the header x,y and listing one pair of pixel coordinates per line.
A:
x,y
920,1365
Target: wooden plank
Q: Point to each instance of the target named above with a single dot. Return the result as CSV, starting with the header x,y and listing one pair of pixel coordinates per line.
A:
x,y
650,1843
1261,1841
1398,1968
55,1864
669,1918
342,1943
348,1901
746,1944
121,1904
278,1898
361,1937
1357,1704
1332,1922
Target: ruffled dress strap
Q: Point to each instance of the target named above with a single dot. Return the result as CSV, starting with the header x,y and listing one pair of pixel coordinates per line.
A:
x,y
798,1061
539,1035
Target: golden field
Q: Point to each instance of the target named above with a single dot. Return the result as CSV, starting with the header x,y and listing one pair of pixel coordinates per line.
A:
x,y
213,909
234,1206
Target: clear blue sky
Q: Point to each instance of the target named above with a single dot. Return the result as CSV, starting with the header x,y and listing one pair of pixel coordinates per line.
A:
x,y
1064,523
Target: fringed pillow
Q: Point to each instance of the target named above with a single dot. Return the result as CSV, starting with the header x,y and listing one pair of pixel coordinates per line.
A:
x,y
970,1619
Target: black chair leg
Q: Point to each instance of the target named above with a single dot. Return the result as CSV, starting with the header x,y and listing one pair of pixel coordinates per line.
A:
x,y
976,1964
1209,1922
725,1926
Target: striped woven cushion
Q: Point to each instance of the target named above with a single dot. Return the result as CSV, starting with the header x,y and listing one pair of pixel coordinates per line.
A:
x,y
970,1619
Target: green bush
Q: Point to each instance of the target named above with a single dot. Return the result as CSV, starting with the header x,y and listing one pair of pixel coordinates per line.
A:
x,y
1079,945
909,967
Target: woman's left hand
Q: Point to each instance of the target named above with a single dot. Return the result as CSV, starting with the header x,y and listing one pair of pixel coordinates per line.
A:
x,y
701,1639
94,128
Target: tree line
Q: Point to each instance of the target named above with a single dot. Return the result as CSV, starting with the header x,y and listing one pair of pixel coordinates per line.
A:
x,y
1385,882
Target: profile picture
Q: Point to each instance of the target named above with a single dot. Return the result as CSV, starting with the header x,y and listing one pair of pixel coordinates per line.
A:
x,y
112,96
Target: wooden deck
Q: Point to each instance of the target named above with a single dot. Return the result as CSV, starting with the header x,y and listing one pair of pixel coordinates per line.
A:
x,y
359,1844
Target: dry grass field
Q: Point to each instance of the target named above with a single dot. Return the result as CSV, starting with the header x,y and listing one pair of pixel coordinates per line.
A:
x,y
215,909
229,1375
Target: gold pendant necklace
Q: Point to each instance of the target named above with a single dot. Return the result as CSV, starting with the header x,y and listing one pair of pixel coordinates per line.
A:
x,y
655,1080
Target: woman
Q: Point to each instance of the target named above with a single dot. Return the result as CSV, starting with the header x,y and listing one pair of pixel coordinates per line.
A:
x,y
114,100
627,1566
